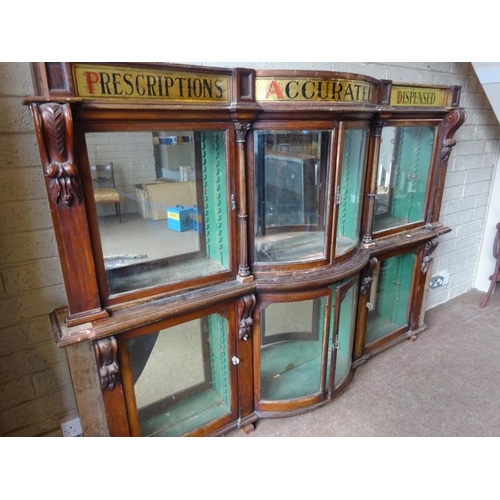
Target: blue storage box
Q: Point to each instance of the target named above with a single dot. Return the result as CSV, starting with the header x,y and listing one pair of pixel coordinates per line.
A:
x,y
180,218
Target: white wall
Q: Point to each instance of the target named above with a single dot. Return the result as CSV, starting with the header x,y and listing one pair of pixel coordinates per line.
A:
x,y
489,76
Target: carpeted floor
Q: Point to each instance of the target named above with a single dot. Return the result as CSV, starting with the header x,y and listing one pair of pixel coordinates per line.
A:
x,y
447,383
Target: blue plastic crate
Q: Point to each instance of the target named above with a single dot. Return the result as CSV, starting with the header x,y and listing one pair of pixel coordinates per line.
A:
x,y
180,218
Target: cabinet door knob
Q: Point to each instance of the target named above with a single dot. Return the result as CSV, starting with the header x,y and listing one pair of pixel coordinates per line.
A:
x,y
235,360
369,306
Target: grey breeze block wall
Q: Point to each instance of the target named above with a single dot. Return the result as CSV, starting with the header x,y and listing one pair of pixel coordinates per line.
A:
x,y
35,385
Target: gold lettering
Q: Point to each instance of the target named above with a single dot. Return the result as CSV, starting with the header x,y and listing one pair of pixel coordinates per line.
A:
x,y
100,81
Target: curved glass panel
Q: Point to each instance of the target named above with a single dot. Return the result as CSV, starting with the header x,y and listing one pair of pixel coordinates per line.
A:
x,y
345,336
390,295
350,189
404,163
291,169
291,338
161,205
341,338
181,376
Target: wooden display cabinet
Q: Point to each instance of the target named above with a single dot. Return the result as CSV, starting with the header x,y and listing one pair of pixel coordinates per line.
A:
x,y
276,231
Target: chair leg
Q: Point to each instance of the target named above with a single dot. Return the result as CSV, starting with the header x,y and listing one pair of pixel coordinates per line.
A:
x,y
118,209
495,277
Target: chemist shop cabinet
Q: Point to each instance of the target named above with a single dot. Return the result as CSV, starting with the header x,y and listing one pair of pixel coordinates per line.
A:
x,y
305,209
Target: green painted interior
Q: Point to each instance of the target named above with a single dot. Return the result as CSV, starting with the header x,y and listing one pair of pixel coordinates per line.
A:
x,y
187,415
213,158
346,336
217,341
412,153
392,297
353,158
291,369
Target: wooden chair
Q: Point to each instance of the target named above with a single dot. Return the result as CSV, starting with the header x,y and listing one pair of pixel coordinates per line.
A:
x,y
495,277
103,178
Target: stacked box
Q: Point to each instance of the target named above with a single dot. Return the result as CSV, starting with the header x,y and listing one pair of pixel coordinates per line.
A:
x,y
154,198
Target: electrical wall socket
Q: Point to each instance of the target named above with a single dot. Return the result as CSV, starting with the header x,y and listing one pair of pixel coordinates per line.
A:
x,y
71,426
439,280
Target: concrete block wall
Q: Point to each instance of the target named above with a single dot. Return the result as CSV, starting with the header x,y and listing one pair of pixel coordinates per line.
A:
x,y
133,159
35,386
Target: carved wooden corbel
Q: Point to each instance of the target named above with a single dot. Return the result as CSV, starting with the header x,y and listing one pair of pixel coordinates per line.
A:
x,y
106,352
246,306
365,285
452,122
54,129
429,248
367,276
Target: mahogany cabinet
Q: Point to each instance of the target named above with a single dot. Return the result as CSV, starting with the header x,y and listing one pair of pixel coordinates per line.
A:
x,y
268,232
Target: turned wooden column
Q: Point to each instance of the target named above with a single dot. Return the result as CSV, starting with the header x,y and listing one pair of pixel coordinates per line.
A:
x,y
372,180
243,268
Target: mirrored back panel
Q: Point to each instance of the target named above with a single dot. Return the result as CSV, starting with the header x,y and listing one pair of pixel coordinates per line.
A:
x,y
161,205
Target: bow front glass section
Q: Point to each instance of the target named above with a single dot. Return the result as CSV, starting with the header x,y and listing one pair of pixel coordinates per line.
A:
x,y
291,169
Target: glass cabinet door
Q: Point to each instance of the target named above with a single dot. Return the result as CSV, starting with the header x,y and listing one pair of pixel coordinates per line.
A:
x,y
291,168
292,336
390,296
341,337
181,376
161,205
350,189
402,175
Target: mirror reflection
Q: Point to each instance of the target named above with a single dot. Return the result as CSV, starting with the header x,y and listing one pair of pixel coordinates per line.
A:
x,y
404,162
291,169
161,205
180,376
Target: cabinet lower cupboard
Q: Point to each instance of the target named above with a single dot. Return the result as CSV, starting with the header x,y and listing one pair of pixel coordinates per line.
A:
x,y
276,230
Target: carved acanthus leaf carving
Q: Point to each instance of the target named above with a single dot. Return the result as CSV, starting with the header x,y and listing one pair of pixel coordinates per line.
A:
x,y
430,246
241,130
54,127
246,306
106,352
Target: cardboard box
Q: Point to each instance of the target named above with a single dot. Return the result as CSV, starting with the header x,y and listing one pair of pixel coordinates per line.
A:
x,y
142,201
160,195
180,218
